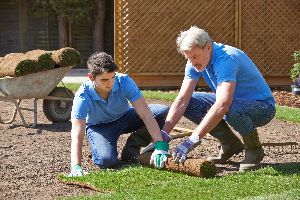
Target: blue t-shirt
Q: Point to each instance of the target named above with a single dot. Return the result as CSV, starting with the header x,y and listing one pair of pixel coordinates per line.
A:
x,y
229,64
89,106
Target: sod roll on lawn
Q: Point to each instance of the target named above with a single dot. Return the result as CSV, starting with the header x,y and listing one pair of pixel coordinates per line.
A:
x,y
193,167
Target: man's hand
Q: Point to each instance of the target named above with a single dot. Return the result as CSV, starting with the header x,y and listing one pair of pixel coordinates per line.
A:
x,y
179,155
160,154
166,138
77,171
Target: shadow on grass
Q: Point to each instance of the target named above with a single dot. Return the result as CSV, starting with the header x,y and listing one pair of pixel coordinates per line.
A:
x,y
286,168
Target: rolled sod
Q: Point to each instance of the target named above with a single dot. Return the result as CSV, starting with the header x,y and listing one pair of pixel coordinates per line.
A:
x,y
193,167
44,59
17,65
13,55
26,67
67,56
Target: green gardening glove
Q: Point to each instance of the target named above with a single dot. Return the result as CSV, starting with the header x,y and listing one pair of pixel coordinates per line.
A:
x,y
160,154
77,171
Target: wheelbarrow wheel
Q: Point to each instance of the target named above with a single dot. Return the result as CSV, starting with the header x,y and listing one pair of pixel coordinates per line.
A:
x,y
58,110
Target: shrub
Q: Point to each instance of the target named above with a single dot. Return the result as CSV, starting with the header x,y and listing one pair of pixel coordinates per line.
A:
x,y
295,71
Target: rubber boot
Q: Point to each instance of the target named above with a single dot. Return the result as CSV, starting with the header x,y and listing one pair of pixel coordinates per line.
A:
x,y
230,143
135,141
254,153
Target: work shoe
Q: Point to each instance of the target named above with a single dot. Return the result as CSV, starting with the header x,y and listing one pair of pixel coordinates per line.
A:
x,y
230,143
135,141
254,153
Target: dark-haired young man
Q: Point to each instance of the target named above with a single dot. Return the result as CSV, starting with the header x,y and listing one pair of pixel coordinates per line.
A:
x,y
102,112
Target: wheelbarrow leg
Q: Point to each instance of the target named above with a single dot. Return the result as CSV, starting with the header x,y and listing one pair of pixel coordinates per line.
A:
x,y
17,107
19,110
34,113
11,119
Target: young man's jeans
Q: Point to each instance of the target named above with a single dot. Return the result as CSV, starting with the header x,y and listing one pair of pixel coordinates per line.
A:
x,y
103,137
244,115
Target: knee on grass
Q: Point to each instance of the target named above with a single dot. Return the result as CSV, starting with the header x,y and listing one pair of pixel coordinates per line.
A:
x,y
104,163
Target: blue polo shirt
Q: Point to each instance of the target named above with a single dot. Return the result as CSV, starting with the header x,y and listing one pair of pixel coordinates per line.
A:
x,y
89,106
229,64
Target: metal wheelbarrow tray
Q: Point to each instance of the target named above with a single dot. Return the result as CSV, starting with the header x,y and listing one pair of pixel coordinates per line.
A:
x,y
57,102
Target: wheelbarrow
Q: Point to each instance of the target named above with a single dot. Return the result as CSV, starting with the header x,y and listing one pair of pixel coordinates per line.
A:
x,y
57,101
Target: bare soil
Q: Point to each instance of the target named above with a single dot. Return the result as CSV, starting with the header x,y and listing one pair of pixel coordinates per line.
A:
x,y
32,158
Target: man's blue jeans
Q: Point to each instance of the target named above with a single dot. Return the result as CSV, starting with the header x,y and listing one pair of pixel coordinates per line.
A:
x,y
244,115
103,137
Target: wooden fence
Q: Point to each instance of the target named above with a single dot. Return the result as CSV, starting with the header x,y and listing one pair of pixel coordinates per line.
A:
x,y
146,31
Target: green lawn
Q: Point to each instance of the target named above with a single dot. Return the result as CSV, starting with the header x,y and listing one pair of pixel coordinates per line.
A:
x,y
136,182
288,114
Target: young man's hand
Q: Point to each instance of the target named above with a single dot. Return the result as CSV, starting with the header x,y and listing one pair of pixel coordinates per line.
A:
x,y
166,138
77,171
160,154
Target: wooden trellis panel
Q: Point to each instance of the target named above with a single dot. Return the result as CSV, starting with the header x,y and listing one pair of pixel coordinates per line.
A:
x,y
147,30
271,33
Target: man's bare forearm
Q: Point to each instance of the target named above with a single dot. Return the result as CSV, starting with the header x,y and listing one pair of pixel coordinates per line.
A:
x,y
175,113
77,136
214,115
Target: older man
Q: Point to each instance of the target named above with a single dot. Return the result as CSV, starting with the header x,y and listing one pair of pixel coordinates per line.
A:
x,y
240,98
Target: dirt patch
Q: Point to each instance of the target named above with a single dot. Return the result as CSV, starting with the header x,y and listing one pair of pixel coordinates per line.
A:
x,y
32,158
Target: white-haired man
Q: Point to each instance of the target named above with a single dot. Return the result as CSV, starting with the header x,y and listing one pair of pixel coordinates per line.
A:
x,y
240,98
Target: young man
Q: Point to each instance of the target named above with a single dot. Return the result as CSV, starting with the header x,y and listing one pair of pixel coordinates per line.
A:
x,y
240,97
102,112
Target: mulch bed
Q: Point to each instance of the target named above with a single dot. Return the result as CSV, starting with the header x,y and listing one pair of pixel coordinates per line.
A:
x,y
286,98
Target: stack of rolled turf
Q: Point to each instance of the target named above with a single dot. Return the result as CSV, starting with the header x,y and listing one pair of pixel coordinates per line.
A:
x,y
20,64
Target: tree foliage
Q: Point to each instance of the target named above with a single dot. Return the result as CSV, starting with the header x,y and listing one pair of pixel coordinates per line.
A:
x,y
73,10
